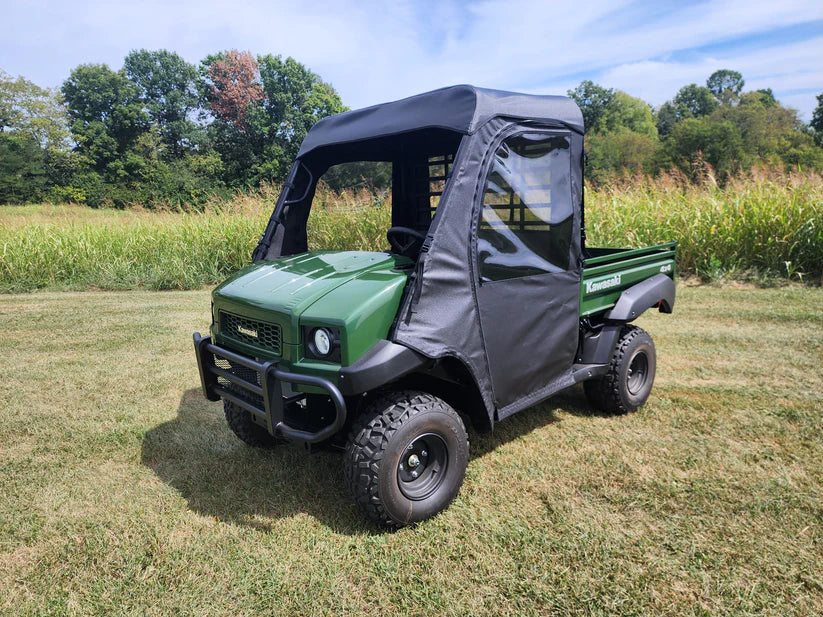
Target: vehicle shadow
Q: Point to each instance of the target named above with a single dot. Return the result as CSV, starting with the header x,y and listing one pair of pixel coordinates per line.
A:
x,y
571,401
219,476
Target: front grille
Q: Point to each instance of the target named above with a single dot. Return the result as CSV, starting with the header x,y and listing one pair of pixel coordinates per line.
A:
x,y
244,373
251,331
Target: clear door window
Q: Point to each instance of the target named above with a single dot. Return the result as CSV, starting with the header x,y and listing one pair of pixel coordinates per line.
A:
x,y
526,224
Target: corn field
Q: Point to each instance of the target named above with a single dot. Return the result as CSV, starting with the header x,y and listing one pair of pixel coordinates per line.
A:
x,y
762,226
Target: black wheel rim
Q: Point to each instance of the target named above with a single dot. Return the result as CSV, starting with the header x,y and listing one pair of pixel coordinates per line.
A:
x,y
422,466
638,373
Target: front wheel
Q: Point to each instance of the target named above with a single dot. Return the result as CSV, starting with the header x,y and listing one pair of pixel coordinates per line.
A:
x,y
406,458
628,382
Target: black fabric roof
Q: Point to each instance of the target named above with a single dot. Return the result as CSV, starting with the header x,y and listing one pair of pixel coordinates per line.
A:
x,y
459,108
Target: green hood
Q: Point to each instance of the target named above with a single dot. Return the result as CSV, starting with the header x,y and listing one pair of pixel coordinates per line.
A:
x,y
358,292
291,284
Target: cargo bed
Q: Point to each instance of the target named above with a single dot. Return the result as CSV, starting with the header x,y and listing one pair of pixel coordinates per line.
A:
x,y
607,272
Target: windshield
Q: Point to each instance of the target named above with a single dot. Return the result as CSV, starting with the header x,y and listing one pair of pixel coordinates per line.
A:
x,y
347,197
351,209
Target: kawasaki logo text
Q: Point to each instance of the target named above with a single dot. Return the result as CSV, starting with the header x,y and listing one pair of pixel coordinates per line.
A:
x,y
606,284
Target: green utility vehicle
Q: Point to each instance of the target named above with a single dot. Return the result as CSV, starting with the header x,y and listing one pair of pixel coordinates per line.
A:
x,y
487,302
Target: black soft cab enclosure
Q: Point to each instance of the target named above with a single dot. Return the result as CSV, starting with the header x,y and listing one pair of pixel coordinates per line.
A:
x,y
487,257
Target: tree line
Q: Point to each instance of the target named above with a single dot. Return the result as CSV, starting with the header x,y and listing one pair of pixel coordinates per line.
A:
x,y
159,130
718,124
163,131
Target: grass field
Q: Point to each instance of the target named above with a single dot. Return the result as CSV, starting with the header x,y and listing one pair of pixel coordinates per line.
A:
x,y
764,228
123,492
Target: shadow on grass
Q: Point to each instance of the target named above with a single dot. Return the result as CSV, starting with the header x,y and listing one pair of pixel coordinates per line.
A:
x,y
221,477
571,401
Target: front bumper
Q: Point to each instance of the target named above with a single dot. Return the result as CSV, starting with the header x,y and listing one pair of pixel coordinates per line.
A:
x,y
264,390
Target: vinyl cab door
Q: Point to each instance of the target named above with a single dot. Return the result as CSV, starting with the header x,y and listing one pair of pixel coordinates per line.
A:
x,y
528,277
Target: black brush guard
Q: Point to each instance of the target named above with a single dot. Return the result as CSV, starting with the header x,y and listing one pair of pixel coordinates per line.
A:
x,y
269,390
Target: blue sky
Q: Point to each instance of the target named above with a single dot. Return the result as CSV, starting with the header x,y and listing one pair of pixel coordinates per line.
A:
x,y
374,51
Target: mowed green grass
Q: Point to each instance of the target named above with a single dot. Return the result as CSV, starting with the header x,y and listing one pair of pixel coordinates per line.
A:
x,y
124,493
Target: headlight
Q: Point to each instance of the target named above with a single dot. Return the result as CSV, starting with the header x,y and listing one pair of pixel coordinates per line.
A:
x,y
322,343
322,340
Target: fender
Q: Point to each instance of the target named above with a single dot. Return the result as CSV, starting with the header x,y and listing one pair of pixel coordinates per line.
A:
x,y
383,362
657,290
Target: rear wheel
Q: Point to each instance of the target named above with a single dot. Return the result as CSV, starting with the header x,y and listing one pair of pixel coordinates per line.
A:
x,y
628,382
241,424
406,458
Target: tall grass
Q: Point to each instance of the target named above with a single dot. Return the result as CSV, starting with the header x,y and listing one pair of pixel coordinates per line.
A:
x,y
157,251
761,224
73,247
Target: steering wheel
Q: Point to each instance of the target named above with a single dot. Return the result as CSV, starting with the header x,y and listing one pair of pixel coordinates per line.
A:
x,y
413,237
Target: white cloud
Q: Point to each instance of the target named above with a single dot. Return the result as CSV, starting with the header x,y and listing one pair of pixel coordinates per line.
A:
x,y
801,101
783,68
373,50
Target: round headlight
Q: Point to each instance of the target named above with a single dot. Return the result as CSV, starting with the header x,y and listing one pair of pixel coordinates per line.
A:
x,y
322,341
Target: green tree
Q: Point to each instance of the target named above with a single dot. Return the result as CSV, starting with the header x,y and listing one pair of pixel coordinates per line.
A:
x,y
106,116
817,121
593,101
106,120
296,98
168,91
694,101
769,131
22,168
626,140
694,140
614,154
726,86
764,96
263,109
691,101
666,117
24,106
33,140
756,130
626,113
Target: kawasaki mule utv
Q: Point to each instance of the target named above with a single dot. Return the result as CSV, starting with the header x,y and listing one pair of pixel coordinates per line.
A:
x,y
487,302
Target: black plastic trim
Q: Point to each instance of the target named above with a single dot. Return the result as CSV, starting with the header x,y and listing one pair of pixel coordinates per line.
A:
x,y
383,362
598,348
270,389
658,290
268,234
584,372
